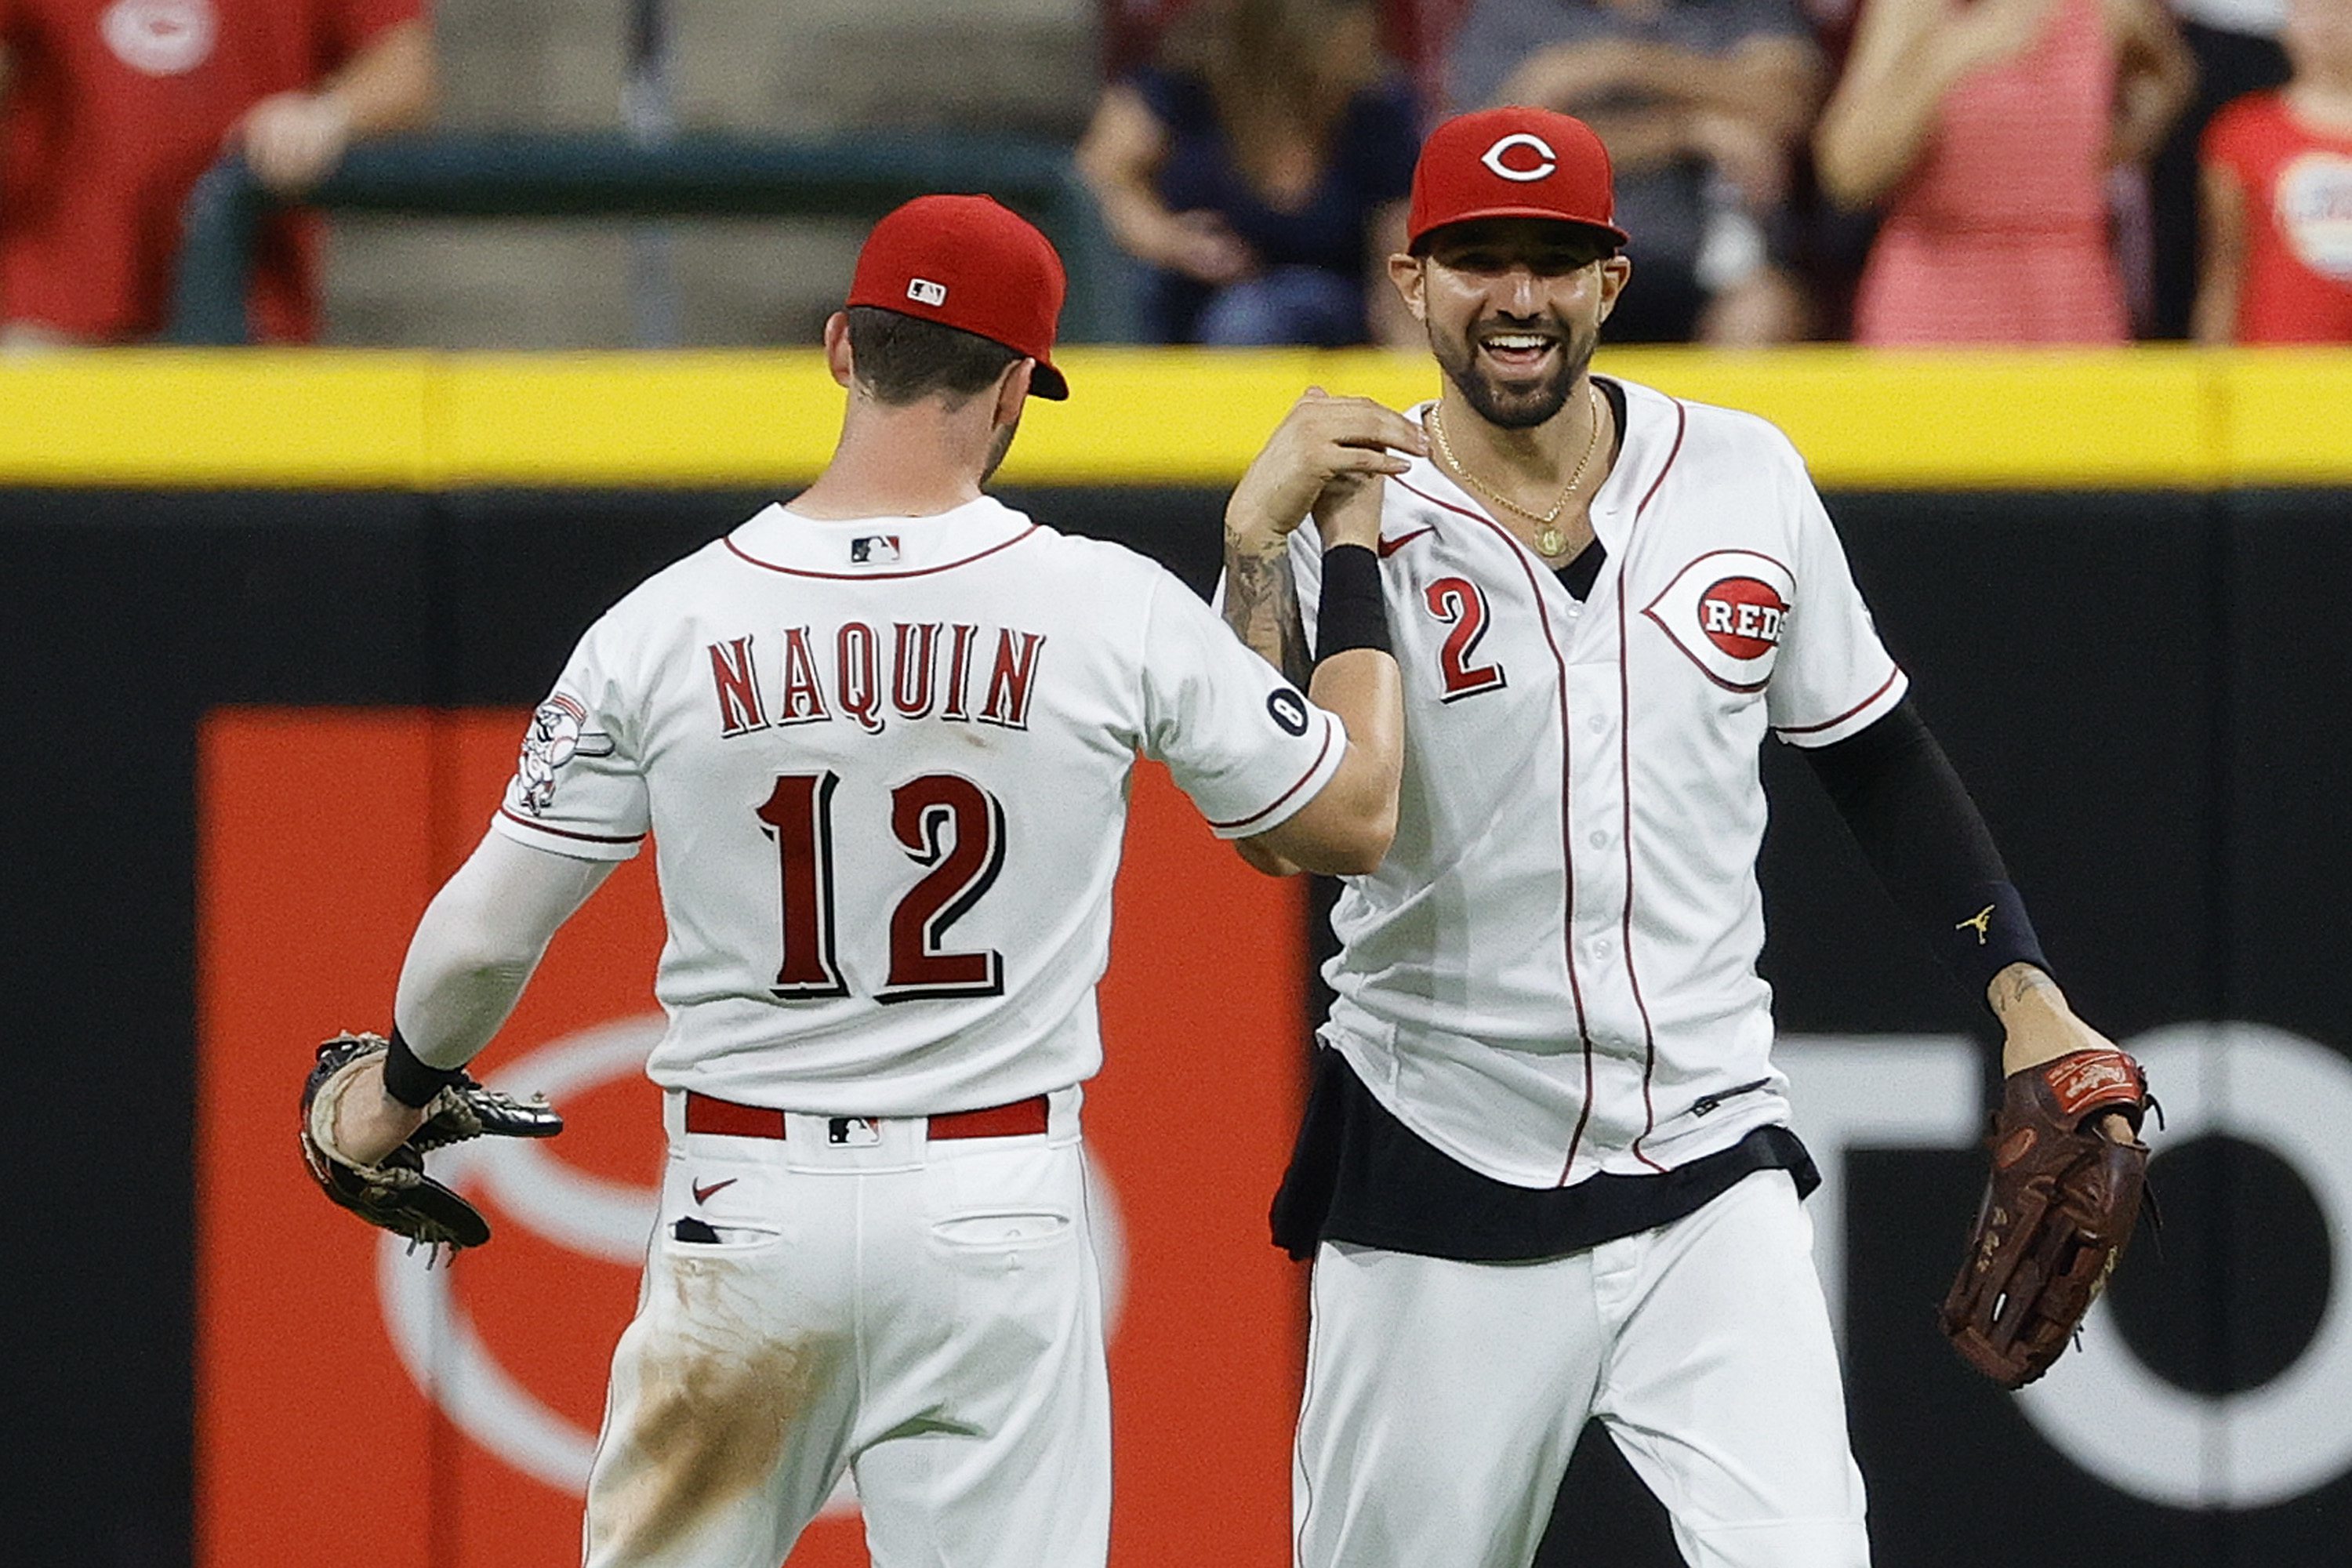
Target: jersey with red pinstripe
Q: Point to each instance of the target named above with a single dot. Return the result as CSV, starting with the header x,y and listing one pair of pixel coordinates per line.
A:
x,y
1553,973
884,765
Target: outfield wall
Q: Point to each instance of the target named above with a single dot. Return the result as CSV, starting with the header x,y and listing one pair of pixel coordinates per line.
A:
x,y
2113,577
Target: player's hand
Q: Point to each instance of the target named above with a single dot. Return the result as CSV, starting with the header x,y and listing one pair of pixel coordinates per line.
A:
x,y
1321,440
291,141
2039,1026
369,1122
1348,510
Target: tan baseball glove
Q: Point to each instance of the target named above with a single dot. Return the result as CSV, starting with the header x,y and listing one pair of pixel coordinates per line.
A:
x,y
2057,1213
394,1193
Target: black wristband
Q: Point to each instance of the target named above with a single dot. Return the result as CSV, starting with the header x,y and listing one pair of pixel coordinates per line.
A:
x,y
1353,613
1991,936
410,1081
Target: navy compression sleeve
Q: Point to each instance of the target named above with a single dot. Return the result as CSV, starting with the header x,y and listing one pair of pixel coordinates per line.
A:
x,y
1907,808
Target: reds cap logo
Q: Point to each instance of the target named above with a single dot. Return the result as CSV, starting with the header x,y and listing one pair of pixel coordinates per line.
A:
x,y
1536,161
1727,611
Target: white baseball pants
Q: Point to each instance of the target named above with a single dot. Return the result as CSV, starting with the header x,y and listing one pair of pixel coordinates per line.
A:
x,y
1443,1398
924,1313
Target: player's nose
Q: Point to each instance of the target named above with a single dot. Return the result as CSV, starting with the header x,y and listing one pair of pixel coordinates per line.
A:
x,y
1521,289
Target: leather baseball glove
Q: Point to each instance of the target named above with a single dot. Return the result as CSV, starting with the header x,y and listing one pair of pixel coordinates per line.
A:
x,y
2056,1214
395,1194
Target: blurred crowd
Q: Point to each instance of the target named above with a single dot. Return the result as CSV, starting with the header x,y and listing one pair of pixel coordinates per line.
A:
x,y
1899,172
1888,171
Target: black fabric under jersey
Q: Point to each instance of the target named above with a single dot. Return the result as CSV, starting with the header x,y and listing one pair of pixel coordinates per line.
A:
x,y
1579,576
1359,1175
1907,807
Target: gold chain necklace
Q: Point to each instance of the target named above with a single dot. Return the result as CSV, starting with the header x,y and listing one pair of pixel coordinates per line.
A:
x,y
1550,541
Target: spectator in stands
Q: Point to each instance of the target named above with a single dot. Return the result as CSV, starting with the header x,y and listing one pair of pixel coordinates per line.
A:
x,y
1987,132
1260,169
2235,44
108,112
1702,104
2278,197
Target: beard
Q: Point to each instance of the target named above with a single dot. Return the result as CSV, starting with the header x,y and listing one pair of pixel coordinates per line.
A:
x,y
1000,444
1518,406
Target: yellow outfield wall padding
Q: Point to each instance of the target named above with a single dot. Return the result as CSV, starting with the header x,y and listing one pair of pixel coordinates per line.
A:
x,y
659,419
176,418
2168,418
2287,418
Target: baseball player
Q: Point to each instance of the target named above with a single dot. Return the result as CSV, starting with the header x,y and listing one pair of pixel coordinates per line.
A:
x,y
1546,1173
881,737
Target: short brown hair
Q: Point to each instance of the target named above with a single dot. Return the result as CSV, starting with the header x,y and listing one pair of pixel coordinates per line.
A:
x,y
903,359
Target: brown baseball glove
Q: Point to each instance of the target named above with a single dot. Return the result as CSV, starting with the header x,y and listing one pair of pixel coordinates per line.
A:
x,y
394,1193
2057,1213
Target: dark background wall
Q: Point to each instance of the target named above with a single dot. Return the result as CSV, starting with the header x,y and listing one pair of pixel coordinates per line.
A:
x,y
2146,692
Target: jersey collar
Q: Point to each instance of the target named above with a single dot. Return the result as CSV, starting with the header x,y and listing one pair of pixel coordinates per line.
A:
x,y
1646,448
1652,424
780,539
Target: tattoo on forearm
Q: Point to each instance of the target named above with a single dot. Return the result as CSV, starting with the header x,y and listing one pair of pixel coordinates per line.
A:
x,y
2016,983
1262,607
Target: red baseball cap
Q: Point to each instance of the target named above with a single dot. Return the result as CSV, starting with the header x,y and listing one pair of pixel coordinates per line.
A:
x,y
1513,163
967,262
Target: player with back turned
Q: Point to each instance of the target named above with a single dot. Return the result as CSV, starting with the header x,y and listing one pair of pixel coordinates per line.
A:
x,y
1546,1173
881,736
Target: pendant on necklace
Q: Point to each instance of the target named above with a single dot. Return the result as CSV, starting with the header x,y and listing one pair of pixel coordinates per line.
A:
x,y
1551,542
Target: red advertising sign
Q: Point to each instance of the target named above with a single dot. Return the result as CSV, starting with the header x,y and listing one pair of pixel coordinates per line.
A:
x,y
353,1406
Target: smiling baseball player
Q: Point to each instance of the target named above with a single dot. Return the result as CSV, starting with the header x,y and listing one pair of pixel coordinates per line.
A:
x,y
1546,1173
881,737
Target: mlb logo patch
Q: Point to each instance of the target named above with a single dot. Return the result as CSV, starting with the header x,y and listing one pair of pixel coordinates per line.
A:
x,y
874,549
852,1132
923,292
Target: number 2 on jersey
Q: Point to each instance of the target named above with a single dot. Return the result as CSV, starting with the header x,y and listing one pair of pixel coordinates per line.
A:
x,y
1461,605
944,822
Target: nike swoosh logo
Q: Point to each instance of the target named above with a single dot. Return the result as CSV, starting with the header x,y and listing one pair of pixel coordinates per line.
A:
x,y
702,1193
1390,546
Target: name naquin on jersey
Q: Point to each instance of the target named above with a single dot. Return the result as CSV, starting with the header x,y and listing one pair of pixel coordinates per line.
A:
x,y
867,675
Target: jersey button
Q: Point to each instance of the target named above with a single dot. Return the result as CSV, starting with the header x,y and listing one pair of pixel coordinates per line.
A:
x,y
1598,838
1598,724
1601,947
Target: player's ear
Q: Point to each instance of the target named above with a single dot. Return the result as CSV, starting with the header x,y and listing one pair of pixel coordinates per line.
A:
x,y
836,348
1012,391
1614,270
1405,272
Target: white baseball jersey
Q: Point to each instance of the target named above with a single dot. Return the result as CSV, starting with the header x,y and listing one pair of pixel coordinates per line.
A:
x,y
884,765
1553,973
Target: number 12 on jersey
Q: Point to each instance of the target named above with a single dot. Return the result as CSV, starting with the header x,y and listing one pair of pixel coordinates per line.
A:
x,y
944,822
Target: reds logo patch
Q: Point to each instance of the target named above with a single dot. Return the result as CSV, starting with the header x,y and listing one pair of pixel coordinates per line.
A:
x,y
1742,616
556,736
1727,611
